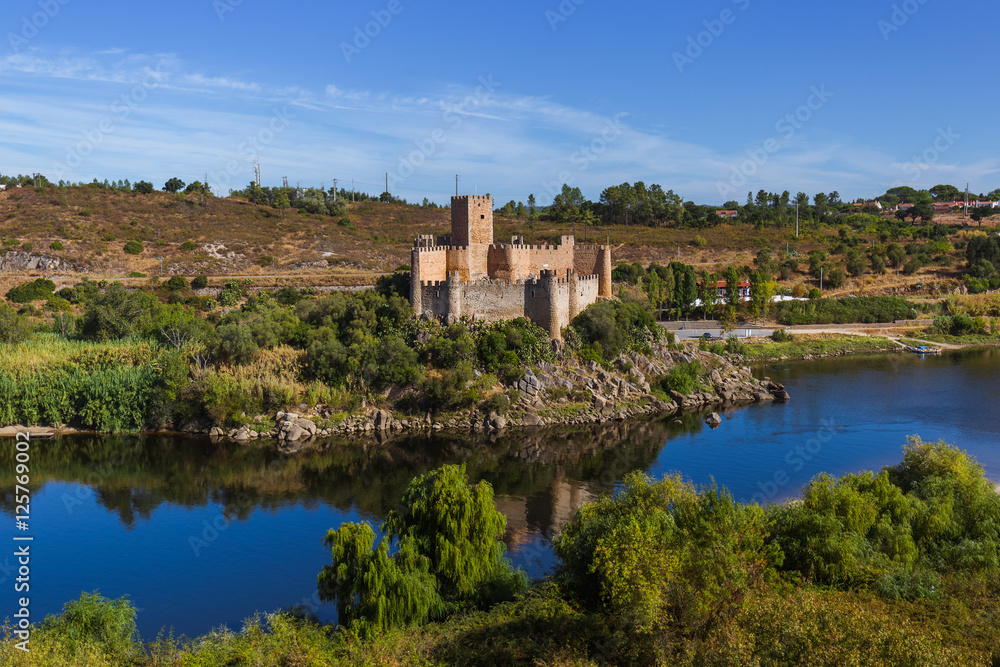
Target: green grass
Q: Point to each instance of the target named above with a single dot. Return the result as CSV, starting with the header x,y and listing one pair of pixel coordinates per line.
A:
x,y
759,350
971,339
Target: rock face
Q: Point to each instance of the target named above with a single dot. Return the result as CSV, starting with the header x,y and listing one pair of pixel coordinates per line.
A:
x,y
714,420
16,260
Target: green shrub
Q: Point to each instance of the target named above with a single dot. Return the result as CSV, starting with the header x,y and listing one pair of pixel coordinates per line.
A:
x,y
176,283
498,403
40,288
847,310
134,247
56,245
661,558
448,389
617,325
683,378
95,622
345,222
27,247
199,282
108,236
589,353
288,296
782,336
188,246
13,328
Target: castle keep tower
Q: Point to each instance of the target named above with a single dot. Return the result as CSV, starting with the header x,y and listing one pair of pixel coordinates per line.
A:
x,y
472,227
472,220
470,275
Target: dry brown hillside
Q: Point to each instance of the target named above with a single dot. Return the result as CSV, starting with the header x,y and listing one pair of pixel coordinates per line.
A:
x,y
228,236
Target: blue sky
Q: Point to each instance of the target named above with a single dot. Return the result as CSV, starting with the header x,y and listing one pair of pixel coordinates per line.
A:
x,y
710,99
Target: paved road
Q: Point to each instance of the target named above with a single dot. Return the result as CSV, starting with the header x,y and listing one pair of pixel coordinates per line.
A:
x,y
742,332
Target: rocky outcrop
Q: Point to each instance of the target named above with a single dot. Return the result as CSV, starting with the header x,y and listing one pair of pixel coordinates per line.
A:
x,y
561,392
17,260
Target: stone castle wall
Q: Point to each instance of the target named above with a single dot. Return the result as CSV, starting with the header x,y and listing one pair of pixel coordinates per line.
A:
x,y
474,276
548,301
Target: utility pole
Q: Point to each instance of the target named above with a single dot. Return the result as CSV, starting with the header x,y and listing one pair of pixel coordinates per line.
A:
x,y
352,190
966,201
335,189
796,220
821,278
386,181
456,185
256,171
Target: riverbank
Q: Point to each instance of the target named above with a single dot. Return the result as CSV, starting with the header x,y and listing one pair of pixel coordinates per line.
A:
x,y
668,380
815,346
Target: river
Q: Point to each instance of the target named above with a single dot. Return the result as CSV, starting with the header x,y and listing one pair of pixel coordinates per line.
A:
x,y
200,534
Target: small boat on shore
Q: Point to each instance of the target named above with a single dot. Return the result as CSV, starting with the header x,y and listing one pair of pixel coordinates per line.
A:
x,y
926,349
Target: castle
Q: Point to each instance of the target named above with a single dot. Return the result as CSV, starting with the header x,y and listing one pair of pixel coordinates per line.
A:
x,y
467,273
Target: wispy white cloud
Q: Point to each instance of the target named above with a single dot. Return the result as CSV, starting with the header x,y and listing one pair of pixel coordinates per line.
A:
x,y
188,122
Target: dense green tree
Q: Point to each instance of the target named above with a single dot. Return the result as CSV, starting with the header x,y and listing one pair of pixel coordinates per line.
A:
x,y
143,187
282,203
120,314
762,291
945,193
820,203
855,263
449,551
660,557
896,255
173,185
980,213
732,278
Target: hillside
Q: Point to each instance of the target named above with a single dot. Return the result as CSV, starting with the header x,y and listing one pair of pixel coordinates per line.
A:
x,y
196,234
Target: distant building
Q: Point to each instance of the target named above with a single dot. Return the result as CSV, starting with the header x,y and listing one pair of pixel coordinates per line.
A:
x,y
727,214
721,285
468,274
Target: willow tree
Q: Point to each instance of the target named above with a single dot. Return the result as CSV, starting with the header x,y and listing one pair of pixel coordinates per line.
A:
x,y
447,533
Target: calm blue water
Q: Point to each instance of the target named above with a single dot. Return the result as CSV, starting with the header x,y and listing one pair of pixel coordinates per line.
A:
x,y
200,534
